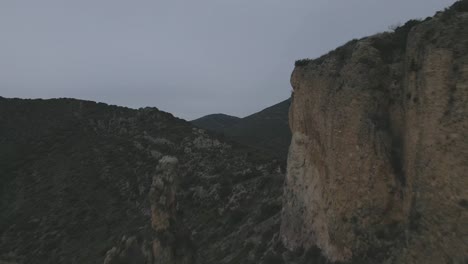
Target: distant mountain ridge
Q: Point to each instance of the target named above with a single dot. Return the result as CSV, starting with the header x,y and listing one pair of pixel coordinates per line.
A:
x,y
267,130
217,122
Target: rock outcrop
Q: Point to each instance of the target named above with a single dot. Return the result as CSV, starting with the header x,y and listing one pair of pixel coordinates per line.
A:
x,y
379,155
171,242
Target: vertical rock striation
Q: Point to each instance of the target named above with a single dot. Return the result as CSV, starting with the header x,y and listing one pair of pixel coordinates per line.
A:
x,y
169,244
378,160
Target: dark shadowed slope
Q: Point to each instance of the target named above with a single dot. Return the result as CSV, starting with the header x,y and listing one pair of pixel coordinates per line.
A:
x,y
79,178
267,130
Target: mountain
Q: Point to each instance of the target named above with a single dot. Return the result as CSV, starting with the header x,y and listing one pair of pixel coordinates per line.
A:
x,y
86,182
216,122
376,169
267,130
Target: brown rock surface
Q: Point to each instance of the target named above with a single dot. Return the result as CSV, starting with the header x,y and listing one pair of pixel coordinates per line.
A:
x,y
378,160
163,247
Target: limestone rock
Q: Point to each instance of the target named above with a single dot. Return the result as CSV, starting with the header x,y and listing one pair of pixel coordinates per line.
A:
x,y
378,160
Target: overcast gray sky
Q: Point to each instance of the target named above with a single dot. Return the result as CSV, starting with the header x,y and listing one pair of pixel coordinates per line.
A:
x,y
190,58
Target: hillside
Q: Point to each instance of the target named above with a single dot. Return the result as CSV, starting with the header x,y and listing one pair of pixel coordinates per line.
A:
x,y
81,178
267,130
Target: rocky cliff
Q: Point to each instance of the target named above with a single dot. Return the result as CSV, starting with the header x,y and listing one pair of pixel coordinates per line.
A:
x,y
379,155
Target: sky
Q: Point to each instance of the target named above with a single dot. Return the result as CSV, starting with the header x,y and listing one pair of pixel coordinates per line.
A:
x,y
190,58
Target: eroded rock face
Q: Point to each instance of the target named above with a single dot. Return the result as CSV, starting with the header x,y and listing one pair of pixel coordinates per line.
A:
x,y
162,194
168,244
378,160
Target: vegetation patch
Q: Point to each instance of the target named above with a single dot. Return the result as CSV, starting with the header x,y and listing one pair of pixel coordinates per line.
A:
x,y
460,6
302,63
393,43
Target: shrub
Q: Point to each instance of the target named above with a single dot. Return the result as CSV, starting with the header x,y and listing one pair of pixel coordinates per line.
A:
x,y
394,27
388,45
314,255
267,211
236,216
346,51
302,63
457,7
463,203
460,6
273,258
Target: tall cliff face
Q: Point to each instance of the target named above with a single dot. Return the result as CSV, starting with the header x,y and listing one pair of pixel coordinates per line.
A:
x,y
378,160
